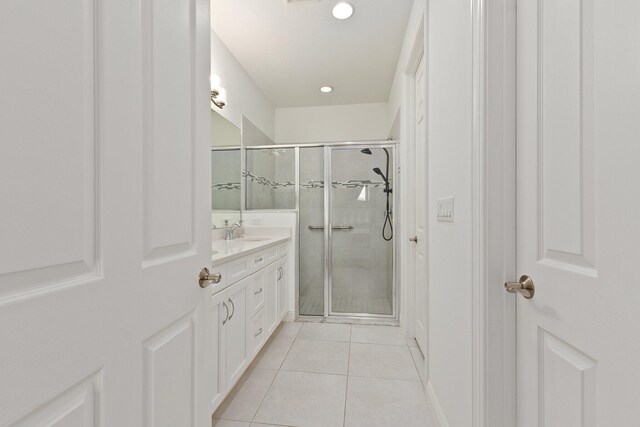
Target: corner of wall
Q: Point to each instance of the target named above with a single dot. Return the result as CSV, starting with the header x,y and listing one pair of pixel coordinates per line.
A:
x,y
244,96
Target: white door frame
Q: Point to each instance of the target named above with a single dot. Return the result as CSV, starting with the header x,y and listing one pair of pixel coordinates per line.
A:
x,y
406,149
494,202
494,212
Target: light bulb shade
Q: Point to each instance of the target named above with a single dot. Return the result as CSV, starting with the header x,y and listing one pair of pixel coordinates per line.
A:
x,y
343,11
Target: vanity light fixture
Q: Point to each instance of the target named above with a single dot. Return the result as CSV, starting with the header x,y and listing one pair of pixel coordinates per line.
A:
x,y
342,11
218,93
326,89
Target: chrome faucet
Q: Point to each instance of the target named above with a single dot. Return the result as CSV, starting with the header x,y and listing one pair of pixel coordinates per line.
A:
x,y
231,232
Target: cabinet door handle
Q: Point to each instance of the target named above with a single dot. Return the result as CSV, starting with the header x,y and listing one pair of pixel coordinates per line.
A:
x,y
233,307
227,311
258,291
257,260
259,332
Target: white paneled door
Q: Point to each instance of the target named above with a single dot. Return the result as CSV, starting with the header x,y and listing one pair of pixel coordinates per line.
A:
x,y
420,207
104,211
578,131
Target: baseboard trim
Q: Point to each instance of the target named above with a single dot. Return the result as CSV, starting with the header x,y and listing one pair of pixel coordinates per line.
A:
x,y
436,409
290,316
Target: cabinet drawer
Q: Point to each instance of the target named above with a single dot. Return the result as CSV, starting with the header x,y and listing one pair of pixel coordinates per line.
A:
x,y
282,250
238,269
256,292
272,255
256,333
258,261
224,278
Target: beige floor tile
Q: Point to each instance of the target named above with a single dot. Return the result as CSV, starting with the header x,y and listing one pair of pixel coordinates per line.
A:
x,y
303,399
375,402
418,359
229,423
382,361
325,332
246,397
273,354
327,357
378,335
289,330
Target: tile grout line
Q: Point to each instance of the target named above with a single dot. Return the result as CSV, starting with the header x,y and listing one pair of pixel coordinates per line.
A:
x,y
274,378
415,364
346,391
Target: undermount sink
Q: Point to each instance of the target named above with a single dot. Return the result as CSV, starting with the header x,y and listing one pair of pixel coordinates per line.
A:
x,y
254,239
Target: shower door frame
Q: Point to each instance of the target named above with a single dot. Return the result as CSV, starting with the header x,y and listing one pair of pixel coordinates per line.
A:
x,y
328,232
328,315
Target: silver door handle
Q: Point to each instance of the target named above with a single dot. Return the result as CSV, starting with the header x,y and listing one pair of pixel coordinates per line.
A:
x,y
258,291
233,307
524,287
413,239
227,311
205,278
259,332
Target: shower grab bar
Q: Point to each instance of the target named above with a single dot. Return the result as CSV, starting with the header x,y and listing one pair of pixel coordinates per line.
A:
x,y
335,227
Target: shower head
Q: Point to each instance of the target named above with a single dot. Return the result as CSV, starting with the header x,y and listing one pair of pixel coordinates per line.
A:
x,y
366,151
379,172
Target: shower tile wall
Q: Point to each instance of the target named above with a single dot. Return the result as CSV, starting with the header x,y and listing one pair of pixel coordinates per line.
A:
x,y
270,179
285,170
260,173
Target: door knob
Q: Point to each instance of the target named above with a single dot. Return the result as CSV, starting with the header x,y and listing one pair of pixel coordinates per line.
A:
x,y
413,239
524,287
205,278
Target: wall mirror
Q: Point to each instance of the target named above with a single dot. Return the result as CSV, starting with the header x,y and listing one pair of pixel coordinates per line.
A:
x,y
226,175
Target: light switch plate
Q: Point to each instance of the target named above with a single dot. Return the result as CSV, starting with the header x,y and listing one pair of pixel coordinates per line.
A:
x,y
445,209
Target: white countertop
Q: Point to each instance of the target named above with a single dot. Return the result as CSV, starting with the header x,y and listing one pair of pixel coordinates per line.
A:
x,y
255,240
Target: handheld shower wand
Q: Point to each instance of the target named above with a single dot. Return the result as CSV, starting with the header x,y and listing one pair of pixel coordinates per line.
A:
x,y
388,223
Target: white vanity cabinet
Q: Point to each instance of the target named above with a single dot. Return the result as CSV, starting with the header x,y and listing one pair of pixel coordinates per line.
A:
x,y
243,316
271,311
283,285
228,356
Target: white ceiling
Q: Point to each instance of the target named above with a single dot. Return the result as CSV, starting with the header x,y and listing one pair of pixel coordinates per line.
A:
x,y
292,50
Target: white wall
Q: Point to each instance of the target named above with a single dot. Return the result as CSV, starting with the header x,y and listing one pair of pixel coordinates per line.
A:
x,y
450,245
335,123
244,97
447,35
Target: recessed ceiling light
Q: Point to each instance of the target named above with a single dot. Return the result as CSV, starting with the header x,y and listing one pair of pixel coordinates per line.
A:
x,y
326,89
342,11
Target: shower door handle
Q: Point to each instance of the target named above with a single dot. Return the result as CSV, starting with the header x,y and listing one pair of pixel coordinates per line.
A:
x,y
335,227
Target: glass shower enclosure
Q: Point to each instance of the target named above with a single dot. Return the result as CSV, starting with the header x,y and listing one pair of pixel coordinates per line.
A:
x,y
346,221
345,198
